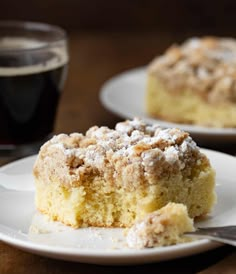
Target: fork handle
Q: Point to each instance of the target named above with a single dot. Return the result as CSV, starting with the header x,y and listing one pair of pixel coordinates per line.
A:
x,y
226,235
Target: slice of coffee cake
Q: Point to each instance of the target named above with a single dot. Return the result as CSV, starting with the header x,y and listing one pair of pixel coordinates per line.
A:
x,y
114,177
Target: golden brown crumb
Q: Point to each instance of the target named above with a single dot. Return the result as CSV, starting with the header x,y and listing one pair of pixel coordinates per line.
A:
x,y
133,154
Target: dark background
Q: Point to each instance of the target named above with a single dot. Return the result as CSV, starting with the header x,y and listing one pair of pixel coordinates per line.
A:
x,y
108,37
195,16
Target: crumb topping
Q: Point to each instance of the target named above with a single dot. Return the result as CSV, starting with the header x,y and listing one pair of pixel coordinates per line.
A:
x,y
131,155
206,65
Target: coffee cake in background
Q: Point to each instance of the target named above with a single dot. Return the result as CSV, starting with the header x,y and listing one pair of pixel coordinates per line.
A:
x,y
195,83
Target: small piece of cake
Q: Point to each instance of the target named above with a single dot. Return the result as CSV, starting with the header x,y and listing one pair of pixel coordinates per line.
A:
x,y
195,83
163,227
114,177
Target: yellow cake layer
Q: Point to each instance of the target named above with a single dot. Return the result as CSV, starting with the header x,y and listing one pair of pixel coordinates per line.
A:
x,y
92,204
186,106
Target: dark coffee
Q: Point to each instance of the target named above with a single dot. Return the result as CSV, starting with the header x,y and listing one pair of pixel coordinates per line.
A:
x,y
30,87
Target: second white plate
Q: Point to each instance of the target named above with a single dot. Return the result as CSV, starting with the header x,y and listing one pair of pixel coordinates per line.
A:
x,y
124,95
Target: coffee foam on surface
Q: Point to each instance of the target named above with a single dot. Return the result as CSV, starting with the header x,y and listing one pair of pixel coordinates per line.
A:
x,y
58,59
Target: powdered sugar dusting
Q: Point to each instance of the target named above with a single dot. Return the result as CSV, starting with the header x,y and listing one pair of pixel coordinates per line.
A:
x,y
133,149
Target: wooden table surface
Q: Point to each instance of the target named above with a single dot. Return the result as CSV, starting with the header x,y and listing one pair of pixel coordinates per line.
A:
x,y
95,57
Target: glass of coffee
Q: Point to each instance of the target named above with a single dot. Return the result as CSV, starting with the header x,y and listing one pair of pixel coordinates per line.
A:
x,y
33,66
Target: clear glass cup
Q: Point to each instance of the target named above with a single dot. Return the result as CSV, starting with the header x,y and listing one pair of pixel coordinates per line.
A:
x,y
33,68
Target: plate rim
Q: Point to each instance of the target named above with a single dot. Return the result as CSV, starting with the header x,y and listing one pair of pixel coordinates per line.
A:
x,y
112,257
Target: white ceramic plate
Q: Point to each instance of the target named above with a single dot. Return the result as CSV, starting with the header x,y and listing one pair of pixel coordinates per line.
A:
x,y
124,95
23,227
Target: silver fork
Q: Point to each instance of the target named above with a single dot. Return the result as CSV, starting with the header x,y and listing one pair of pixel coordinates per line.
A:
x,y
223,234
